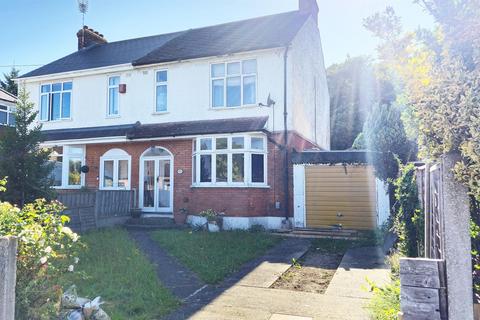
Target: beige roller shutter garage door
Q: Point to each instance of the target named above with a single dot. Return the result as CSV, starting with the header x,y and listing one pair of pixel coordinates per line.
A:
x,y
339,194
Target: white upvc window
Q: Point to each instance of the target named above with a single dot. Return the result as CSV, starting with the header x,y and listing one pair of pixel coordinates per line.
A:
x,y
55,101
113,107
234,160
233,84
115,170
67,163
7,115
161,91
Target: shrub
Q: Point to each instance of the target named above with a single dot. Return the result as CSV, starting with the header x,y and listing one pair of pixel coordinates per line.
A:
x,y
46,249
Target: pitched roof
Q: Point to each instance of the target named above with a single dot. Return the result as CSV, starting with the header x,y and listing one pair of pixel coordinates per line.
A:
x,y
7,96
160,130
247,35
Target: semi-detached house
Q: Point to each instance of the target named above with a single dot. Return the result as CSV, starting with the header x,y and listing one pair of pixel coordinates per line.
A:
x,y
190,120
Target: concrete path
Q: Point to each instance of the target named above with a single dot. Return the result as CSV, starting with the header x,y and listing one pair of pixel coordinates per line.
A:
x,y
175,276
358,265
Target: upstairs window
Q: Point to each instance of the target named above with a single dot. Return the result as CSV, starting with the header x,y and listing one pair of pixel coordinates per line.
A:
x,y
7,116
113,96
55,101
161,91
234,84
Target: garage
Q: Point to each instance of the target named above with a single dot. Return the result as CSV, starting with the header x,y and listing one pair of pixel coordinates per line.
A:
x,y
338,190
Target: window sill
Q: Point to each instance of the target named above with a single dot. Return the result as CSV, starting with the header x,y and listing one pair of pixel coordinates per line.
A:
x,y
112,117
55,121
114,189
67,187
247,106
244,186
159,113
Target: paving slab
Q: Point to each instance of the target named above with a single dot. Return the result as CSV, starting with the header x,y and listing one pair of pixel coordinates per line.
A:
x,y
358,265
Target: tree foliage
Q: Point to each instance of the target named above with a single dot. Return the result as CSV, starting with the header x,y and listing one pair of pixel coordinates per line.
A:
x,y
354,86
8,84
21,158
385,135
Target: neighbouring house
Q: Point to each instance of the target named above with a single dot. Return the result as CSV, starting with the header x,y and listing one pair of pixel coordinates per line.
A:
x,y
190,120
7,108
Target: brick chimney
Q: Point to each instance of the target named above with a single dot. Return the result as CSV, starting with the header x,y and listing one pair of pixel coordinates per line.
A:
x,y
309,7
88,37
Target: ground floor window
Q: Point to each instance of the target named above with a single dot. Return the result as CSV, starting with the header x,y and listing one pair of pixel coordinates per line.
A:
x,y
235,160
67,163
115,170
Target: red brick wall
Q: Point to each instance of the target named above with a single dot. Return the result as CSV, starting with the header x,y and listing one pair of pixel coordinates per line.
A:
x,y
232,201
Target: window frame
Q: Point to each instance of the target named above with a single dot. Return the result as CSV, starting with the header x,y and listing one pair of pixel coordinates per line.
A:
x,y
225,78
156,84
116,155
67,155
247,152
117,115
49,100
9,111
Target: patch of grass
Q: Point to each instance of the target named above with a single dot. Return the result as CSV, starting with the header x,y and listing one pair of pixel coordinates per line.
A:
x,y
112,267
340,246
213,256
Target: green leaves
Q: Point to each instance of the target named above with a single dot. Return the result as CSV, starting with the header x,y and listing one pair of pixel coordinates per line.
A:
x,y
46,250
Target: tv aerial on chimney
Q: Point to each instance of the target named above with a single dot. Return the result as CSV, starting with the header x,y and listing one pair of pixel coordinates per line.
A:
x,y
83,8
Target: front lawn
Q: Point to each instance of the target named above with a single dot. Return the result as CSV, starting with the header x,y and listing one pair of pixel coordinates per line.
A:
x,y
213,256
118,272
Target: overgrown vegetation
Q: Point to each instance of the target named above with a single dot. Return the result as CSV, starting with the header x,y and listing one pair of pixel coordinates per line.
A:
x,y
21,158
385,304
213,256
111,266
409,218
47,249
438,72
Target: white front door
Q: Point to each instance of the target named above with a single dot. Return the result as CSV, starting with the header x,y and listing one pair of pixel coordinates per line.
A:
x,y
156,184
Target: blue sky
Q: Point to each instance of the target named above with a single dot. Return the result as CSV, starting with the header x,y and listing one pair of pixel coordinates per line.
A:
x,y
36,32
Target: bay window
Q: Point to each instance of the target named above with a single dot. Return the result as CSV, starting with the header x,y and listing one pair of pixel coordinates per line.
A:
x,y
237,160
67,163
234,84
55,101
115,170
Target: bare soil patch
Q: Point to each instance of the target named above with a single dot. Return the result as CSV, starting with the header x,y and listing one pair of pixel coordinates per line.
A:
x,y
312,273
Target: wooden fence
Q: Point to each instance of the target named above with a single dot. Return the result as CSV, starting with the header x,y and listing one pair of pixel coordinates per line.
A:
x,y
95,209
440,286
